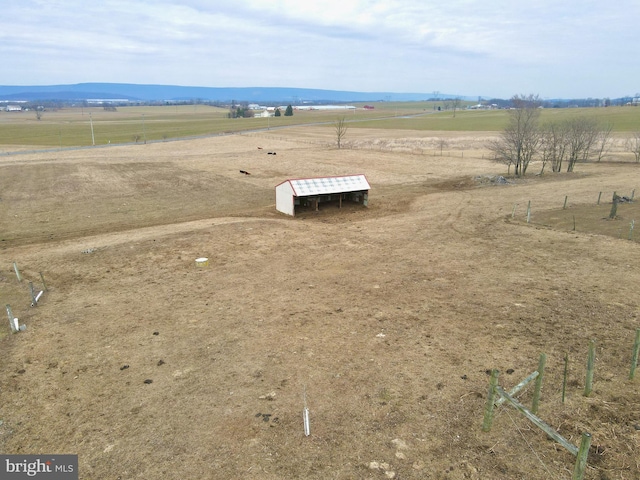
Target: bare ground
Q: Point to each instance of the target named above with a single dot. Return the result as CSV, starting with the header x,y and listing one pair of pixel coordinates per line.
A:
x,y
387,317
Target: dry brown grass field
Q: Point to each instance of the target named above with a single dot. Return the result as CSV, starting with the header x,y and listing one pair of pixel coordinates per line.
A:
x,y
386,319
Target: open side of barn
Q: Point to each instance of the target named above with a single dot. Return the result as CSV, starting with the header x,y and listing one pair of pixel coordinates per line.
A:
x,y
299,193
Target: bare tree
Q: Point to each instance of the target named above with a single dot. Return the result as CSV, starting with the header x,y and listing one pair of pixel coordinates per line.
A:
x,y
581,136
340,127
553,145
633,144
441,143
456,105
603,141
520,140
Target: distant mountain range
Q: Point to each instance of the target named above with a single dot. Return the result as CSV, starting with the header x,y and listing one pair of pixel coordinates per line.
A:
x,y
172,93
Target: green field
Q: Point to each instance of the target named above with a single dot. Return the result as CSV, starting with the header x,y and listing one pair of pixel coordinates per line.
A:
x,y
623,119
70,127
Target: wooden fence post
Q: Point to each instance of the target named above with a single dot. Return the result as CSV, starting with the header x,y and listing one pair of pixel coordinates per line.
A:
x,y
633,222
529,211
599,195
591,359
44,285
536,392
513,212
566,197
581,460
614,206
491,397
634,357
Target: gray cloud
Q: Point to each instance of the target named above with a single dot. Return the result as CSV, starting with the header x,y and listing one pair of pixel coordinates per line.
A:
x,y
466,47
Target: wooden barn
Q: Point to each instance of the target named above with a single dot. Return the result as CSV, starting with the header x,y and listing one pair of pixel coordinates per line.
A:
x,y
310,193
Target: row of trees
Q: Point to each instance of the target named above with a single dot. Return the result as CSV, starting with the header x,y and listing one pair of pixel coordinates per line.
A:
x,y
243,111
559,144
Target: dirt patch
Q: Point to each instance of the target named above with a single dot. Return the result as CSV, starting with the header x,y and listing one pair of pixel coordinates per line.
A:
x,y
148,366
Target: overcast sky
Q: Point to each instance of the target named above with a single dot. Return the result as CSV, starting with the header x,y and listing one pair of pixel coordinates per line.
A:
x,y
492,48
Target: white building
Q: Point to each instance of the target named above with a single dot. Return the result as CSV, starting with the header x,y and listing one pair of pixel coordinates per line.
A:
x,y
304,193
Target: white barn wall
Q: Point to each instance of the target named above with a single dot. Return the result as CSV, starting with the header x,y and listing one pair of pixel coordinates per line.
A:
x,y
285,198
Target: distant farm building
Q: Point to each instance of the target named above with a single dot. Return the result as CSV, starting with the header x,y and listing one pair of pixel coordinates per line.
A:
x,y
310,193
13,108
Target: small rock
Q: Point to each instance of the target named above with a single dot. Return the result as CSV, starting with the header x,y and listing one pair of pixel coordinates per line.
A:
x,y
399,444
374,465
419,465
156,333
463,377
390,474
637,426
160,362
510,371
269,396
401,455
148,381
124,367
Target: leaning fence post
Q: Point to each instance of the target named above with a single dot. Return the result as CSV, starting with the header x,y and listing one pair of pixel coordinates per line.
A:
x,y
591,359
581,460
513,212
536,392
15,268
491,397
599,195
634,357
